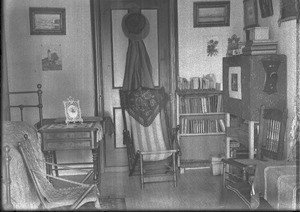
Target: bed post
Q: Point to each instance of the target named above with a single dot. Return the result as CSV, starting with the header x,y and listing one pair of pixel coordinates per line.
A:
x,y
40,105
7,181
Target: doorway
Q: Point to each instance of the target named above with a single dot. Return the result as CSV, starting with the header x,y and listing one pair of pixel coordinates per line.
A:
x,y
110,59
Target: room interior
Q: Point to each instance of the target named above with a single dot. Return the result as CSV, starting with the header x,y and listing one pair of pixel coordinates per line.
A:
x,y
93,49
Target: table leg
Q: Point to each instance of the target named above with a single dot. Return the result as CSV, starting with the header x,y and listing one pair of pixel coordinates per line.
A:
x,y
95,165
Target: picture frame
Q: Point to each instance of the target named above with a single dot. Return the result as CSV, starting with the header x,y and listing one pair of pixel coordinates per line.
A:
x,y
211,14
72,111
288,11
266,8
250,14
234,80
47,21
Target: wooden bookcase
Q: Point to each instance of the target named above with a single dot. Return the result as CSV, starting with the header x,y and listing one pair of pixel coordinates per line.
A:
x,y
201,120
248,82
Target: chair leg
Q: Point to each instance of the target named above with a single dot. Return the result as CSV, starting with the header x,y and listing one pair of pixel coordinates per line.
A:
x,y
174,170
142,171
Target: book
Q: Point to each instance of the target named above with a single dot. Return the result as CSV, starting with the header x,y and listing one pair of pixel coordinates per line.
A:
x,y
262,47
260,42
258,52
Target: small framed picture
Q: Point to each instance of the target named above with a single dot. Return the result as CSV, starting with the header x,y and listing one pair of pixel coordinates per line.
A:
x,y
266,8
211,14
47,21
234,80
72,111
250,14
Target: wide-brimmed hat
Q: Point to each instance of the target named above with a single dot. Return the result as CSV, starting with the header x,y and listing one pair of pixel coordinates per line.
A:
x,y
135,26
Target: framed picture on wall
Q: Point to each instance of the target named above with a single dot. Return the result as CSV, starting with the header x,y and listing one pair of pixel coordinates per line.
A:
x,y
47,21
250,14
234,80
211,14
266,8
288,10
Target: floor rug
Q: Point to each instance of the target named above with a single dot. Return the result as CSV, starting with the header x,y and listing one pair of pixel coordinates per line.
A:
x,y
112,203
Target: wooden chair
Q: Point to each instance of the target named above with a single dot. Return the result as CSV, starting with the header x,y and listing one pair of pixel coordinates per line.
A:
x,y
51,197
239,173
154,146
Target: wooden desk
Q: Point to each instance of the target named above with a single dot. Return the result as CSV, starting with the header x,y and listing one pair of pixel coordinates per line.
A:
x,y
59,136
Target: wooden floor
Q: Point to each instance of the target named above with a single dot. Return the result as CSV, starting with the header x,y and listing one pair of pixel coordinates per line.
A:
x,y
196,189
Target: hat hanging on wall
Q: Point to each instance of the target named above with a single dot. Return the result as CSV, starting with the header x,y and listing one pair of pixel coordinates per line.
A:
x,y
135,26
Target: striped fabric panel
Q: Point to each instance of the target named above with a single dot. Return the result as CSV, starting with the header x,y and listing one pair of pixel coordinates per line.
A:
x,y
149,139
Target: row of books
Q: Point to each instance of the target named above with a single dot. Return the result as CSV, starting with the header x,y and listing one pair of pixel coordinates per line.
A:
x,y
256,47
195,126
204,104
205,82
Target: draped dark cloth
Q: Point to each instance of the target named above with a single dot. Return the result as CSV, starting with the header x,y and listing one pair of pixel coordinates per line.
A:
x,y
138,68
141,103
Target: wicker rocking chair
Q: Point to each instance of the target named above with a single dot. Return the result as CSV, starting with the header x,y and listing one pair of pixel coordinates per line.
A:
x,y
51,197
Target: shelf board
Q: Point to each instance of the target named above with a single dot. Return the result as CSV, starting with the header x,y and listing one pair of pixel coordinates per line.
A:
x,y
198,91
201,114
201,134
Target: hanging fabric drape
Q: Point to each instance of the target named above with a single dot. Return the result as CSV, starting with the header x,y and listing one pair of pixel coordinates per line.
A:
x,y
143,105
138,69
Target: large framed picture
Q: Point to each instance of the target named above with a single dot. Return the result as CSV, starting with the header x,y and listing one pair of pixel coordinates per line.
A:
x,y
250,14
266,8
211,14
47,21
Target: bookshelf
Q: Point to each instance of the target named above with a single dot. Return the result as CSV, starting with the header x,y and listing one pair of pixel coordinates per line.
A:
x,y
201,121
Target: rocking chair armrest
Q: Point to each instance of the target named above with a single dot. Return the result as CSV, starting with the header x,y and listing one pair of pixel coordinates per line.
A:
x,y
159,152
63,166
62,179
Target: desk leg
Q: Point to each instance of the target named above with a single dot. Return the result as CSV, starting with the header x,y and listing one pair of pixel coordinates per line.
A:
x,y
95,164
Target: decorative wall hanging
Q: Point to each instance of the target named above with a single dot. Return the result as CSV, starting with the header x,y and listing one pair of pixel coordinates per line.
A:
x,y
211,14
266,8
212,48
271,68
72,111
250,14
47,21
288,10
51,57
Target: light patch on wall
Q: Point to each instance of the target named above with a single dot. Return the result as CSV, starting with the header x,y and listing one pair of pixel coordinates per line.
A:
x,y
51,57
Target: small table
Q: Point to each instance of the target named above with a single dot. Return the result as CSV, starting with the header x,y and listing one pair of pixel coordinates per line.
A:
x,y
74,136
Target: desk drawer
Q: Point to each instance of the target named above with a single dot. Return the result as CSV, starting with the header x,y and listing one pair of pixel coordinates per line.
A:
x,y
67,145
67,135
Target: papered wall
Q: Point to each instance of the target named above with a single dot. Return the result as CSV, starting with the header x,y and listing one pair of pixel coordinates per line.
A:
x,y
25,53
192,42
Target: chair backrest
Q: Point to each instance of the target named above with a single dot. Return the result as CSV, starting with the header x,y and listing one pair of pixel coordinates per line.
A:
x,y
154,136
272,127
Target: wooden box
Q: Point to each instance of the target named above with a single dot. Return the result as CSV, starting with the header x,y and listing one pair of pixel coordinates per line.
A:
x,y
246,84
259,33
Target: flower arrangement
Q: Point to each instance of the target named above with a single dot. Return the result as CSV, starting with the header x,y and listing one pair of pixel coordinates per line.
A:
x,y
212,47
